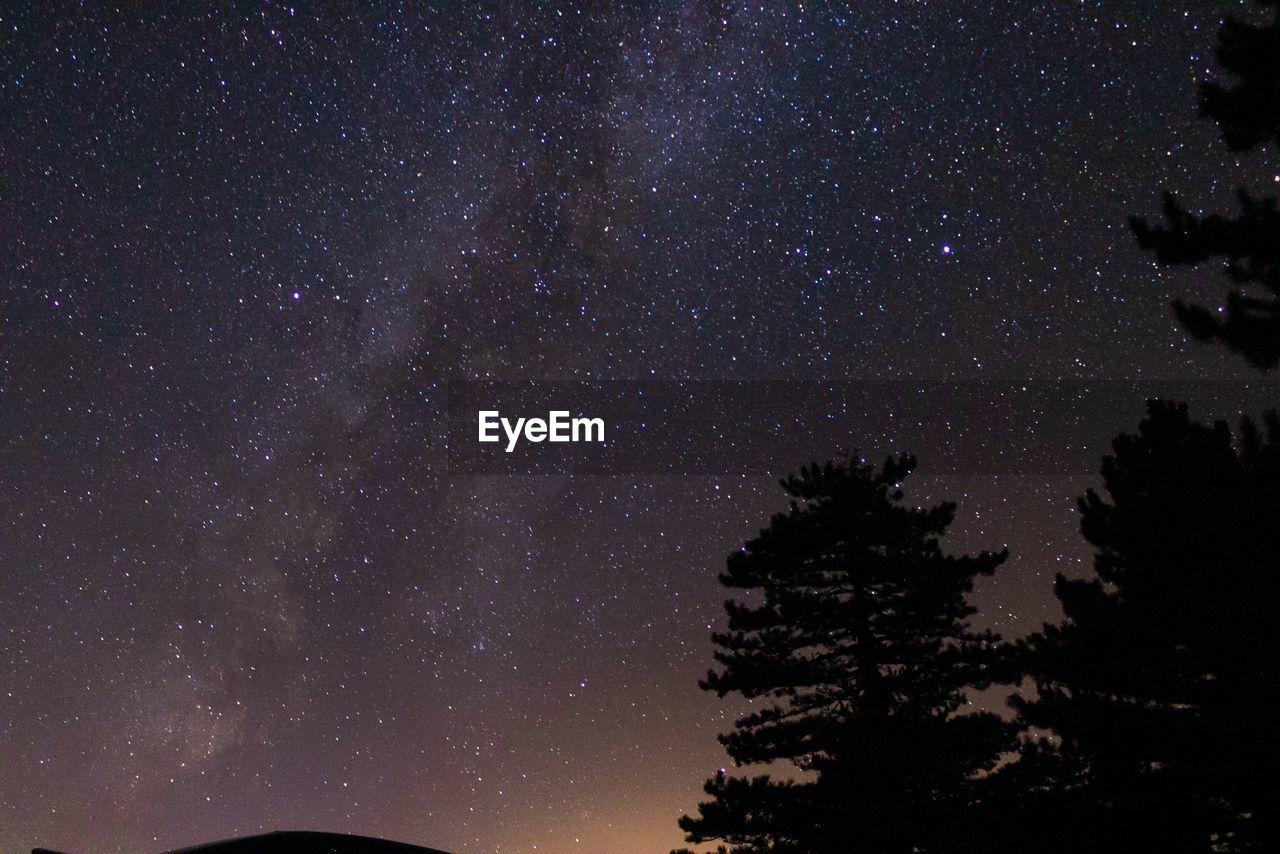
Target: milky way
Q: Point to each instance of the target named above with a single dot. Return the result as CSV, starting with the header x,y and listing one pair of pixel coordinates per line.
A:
x,y
243,255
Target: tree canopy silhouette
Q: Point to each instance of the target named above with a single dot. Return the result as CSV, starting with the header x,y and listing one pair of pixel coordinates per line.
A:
x,y
1161,684
855,648
1248,114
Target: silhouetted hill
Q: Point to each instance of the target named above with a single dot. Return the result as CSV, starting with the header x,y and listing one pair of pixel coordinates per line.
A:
x,y
301,842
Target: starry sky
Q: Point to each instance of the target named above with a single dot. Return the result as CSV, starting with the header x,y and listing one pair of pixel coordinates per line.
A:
x,y
246,254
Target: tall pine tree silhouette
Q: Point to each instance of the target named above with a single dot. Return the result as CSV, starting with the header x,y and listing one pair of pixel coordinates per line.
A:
x,y
1162,683
854,646
1248,113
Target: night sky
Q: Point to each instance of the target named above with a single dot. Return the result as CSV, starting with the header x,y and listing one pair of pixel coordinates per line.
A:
x,y
244,254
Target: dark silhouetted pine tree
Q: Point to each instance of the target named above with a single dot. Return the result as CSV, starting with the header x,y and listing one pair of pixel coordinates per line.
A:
x,y
854,646
1162,684
1248,113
